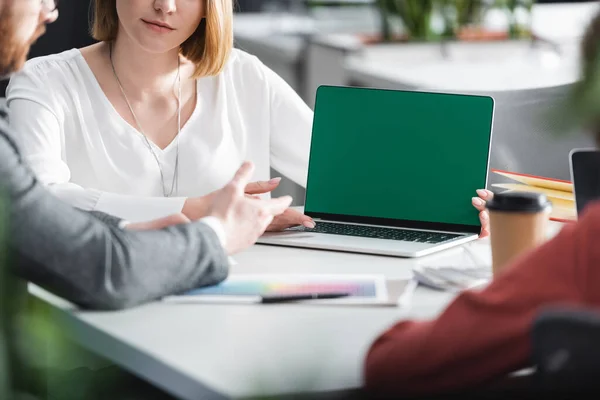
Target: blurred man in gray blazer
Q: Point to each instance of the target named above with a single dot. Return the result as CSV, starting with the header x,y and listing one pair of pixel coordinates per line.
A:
x,y
95,260
92,259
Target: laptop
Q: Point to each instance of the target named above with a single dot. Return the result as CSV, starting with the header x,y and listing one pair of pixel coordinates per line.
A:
x,y
585,175
393,172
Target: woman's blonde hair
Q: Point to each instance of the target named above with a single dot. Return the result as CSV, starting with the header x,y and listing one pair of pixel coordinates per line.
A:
x,y
208,47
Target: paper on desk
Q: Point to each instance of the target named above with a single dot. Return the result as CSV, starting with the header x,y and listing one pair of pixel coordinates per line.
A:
x,y
468,268
452,279
365,290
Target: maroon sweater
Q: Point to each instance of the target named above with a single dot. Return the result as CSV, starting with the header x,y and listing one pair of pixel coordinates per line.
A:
x,y
485,334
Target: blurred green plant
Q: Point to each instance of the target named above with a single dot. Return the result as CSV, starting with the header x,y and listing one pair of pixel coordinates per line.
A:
x,y
468,11
516,29
513,4
583,105
26,329
460,14
580,111
415,16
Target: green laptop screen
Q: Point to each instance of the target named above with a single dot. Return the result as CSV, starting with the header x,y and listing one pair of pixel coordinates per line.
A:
x,y
396,155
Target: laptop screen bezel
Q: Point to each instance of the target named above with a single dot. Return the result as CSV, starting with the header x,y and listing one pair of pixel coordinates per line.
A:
x,y
402,223
396,223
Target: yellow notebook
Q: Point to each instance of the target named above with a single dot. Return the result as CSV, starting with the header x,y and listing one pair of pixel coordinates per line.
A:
x,y
559,192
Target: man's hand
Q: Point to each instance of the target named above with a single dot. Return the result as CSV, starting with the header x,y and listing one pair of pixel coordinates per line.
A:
x,y
244,218
197,207
161,223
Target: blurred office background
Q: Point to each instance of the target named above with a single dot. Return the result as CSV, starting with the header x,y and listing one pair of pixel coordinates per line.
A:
x,y
523,54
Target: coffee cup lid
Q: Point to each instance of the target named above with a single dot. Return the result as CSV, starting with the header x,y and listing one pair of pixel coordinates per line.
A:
x,y
519,202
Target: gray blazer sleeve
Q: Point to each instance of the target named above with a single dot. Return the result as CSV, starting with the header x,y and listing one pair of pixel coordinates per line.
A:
x,y
94,263
106,218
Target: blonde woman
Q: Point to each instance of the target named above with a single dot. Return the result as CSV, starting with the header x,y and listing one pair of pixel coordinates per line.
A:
x,y
159,114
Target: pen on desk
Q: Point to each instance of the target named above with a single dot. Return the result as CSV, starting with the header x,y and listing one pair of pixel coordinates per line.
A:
x,y
284,298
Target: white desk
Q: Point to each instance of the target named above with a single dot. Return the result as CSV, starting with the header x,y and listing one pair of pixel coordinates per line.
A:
x,y
469,66
558,22
472,66
223,351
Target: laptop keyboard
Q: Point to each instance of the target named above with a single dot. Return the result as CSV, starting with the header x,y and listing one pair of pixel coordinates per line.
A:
x,y
379,232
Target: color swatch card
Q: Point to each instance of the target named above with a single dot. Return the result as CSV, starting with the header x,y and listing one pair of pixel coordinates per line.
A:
x,y
250,288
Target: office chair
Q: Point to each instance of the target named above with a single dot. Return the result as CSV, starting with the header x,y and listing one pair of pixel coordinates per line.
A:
x,y
566,350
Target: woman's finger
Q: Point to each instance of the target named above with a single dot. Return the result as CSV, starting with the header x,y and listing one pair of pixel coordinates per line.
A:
x,y
279,224
484,218
297,218
262,186
478,203
289,219
276,227
485,194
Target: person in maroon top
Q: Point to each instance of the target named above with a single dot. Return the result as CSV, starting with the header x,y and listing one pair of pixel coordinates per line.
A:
x,y
484,335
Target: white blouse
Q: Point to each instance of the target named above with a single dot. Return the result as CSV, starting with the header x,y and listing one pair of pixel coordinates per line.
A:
x,y
79,145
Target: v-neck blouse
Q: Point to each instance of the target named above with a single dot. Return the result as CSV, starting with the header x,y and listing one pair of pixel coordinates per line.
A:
x,y
89,75
87,154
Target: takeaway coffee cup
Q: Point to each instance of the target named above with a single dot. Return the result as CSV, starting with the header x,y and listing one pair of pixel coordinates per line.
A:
x,y
518,222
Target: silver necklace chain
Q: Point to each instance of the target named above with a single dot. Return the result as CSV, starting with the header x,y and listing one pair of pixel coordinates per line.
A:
x,y
175,181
